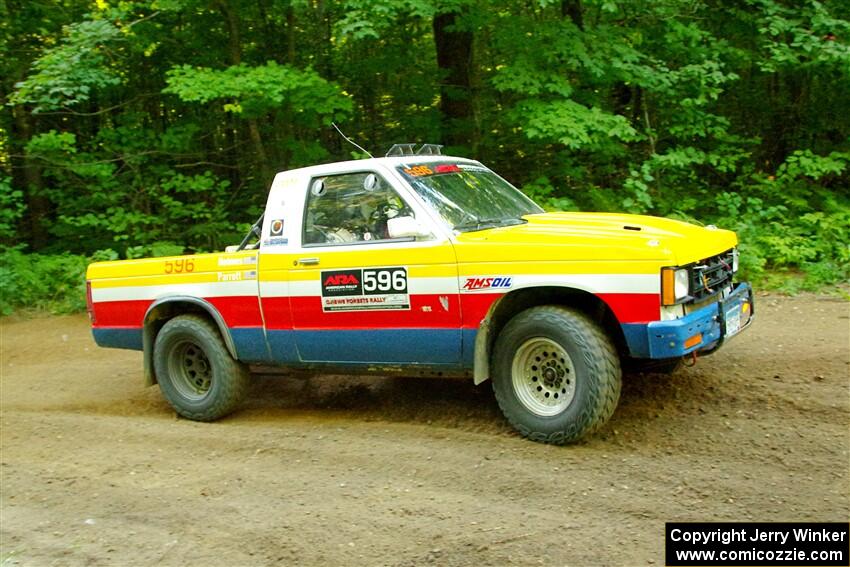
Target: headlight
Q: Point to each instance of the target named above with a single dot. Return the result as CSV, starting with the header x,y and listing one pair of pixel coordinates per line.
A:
x,y
734,260
675,285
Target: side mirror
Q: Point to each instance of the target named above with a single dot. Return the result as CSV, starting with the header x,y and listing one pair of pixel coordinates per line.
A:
x,y
371,182
406,227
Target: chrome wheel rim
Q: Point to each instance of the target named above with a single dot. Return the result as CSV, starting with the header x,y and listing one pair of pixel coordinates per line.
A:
x,y
190,370
543,376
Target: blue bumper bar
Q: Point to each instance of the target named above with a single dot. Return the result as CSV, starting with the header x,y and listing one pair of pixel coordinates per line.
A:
x,y
716,323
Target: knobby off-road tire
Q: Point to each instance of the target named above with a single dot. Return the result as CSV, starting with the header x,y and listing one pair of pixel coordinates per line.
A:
x,y
556,374
196,374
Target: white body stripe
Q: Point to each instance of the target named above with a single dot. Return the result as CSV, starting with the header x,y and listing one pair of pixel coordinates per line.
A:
x,y
593,283
140,292
304,288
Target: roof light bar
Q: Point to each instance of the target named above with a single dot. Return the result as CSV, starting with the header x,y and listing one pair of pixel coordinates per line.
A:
x,y
398,150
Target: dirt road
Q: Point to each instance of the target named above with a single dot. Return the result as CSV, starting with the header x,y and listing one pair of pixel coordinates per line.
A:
x,y
96,469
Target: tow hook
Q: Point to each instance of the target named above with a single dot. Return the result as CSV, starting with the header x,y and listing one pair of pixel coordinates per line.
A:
x,y
692,358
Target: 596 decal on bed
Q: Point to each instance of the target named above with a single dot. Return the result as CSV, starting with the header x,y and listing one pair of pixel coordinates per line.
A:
x,y
368,289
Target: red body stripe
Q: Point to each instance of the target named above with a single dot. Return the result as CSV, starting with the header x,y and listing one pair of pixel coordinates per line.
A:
x,y
237,311
475,307
277,313
633,307
307,311
244,311
627,307
129,313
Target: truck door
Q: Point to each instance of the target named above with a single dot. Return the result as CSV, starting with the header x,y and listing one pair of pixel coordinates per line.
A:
x,y
359,292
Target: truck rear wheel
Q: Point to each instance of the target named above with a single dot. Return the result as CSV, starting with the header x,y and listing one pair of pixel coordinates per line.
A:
x,y
556,374
195,372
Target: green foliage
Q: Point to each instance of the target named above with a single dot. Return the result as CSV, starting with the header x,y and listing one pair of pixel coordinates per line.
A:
x,y
11,208
164,205
373,19
254,91
143,128
572,124
802,35
55,283
67,74
544,194
790,222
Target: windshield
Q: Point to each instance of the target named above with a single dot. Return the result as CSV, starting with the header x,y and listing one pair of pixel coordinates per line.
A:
x,y
467,196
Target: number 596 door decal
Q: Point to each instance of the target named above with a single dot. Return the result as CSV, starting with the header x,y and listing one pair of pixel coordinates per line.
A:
x,y
367,289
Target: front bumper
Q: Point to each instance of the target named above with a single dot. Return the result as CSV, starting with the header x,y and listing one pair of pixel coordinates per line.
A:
x,y
703,331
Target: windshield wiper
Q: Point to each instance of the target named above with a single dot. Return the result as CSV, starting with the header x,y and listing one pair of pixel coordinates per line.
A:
x,y
488,223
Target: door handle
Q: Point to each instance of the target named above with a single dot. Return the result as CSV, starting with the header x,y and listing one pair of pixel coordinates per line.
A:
x,y
307,261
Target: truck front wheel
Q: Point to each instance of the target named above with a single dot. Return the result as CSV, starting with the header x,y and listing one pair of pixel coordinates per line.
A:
x,y
195,372
556,374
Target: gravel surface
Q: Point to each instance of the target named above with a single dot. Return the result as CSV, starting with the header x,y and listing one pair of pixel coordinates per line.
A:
x,y
95,469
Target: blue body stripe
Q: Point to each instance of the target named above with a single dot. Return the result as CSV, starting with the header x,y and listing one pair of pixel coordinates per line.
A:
x,y
418,346
637,339
468,337
665,339
251,346
118,338
453,347
282,348
413,346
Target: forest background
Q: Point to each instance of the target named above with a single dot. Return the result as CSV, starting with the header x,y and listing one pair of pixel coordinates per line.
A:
x,y
153,128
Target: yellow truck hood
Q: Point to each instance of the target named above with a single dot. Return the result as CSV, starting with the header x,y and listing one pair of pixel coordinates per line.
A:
x,y
595,236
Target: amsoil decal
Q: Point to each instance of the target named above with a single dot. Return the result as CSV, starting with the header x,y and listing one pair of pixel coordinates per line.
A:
x,y
369,289
485,284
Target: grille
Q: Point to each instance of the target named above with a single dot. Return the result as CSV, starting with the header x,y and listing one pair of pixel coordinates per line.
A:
x,y
710,276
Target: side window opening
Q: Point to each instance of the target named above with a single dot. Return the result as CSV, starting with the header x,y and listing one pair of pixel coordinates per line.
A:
x,y
351,208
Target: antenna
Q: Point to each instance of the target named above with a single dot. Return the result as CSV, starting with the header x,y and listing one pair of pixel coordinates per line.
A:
x,y
350,141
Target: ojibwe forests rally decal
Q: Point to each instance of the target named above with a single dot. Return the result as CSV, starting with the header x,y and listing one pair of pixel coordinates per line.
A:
x,y
367,289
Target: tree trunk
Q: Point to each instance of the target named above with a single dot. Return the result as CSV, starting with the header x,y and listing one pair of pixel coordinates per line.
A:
x,y
235,48
38,205
287,130
259,147
233,36
290,34
454,58
572,9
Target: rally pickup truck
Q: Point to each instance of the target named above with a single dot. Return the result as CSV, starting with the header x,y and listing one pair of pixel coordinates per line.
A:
x,y
428,265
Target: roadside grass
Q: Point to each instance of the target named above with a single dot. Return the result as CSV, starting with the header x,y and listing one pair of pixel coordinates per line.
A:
x,y
42,283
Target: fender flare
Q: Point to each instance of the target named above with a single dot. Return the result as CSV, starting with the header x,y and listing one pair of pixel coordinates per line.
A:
x,y
481,354
148,329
